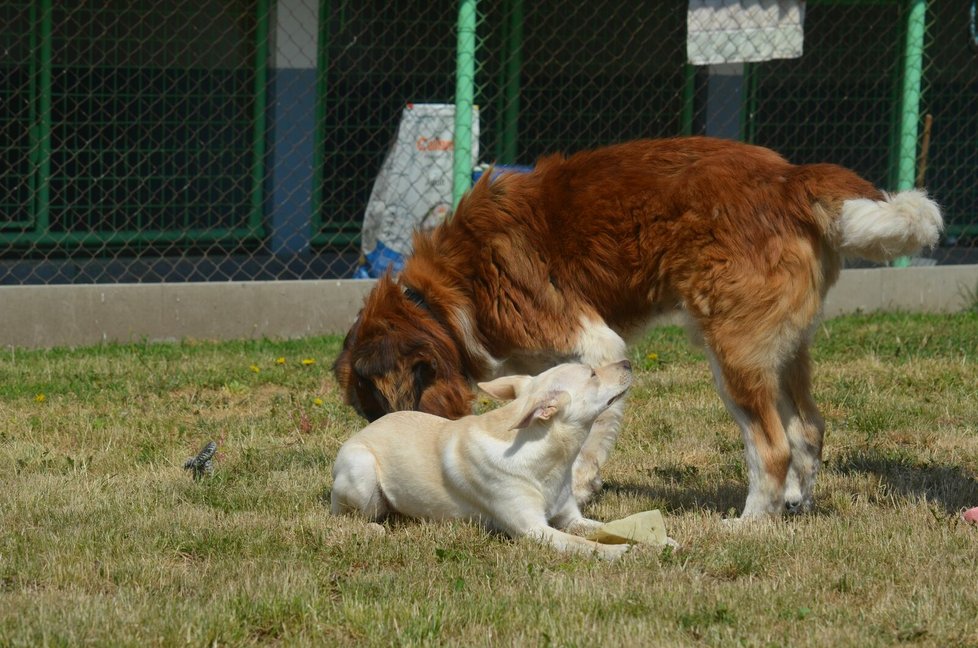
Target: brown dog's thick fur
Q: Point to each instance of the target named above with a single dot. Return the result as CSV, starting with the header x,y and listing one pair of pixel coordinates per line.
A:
x,y
569,261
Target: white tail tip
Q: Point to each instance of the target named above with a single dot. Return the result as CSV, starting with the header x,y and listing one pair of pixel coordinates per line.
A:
x,y
899,225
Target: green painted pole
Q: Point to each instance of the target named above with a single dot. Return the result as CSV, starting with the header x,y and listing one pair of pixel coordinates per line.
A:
x,y
910,101
132,237
43,204
261,89
464,100
33,130
511,83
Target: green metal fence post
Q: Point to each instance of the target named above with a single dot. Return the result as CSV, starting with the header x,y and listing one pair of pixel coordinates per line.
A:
x,y
511,80
910,100
464,94
33,132
43,205
322,84
261,82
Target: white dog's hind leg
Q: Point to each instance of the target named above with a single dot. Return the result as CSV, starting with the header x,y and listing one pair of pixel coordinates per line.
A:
x,y
356,488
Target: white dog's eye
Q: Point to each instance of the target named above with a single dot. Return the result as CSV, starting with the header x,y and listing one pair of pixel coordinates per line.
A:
x,y
593,373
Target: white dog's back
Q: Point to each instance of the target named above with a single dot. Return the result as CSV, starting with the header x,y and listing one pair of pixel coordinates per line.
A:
x,y
361,473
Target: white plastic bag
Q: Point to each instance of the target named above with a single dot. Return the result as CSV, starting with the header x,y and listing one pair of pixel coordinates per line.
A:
x,y
413,190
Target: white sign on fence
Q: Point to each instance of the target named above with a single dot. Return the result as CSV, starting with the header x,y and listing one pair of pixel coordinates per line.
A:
x,y
738,31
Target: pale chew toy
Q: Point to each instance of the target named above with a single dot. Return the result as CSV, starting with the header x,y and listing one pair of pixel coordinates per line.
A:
x,y
646,527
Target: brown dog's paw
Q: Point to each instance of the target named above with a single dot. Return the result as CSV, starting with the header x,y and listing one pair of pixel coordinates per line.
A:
x,y
585,490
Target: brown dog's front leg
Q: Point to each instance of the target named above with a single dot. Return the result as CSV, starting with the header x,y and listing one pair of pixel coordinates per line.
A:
x,y
599,444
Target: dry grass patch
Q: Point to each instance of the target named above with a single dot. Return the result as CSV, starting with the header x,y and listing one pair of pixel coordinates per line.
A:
x,y
106,540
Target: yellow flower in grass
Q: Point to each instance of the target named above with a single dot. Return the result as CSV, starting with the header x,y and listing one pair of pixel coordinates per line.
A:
x,y
652,357
318,402
255,368
308,361
40,398
280,360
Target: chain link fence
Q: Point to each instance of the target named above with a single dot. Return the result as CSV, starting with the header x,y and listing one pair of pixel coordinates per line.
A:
x,y
214,140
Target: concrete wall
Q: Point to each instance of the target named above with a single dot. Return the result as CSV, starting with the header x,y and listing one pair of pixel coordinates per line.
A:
x,y
48,316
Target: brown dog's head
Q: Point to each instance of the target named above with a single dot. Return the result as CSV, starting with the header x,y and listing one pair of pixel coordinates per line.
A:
x,y
399,356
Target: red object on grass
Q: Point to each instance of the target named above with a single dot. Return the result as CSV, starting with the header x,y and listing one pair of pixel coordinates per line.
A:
x,y
971,515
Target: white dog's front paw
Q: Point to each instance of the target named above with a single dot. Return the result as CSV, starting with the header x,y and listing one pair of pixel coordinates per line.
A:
x,y
612,552
583,527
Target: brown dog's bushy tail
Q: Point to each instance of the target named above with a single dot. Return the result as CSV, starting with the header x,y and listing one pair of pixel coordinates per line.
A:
x,y
901,224
861,221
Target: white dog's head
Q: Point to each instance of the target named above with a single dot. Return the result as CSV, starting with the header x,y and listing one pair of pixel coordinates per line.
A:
x,y
572,393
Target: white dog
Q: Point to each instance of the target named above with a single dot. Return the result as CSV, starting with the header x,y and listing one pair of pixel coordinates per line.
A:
x,y
509,469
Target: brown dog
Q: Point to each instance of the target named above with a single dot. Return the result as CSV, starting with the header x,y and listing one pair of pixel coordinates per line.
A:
x,y
569,261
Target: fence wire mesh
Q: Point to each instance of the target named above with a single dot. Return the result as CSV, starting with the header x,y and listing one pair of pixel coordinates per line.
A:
x,y
213,140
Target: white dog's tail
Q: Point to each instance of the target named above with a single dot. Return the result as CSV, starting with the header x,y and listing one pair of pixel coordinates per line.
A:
x,y
880,230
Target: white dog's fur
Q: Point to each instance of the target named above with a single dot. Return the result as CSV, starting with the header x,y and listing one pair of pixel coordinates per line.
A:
x,y
509,469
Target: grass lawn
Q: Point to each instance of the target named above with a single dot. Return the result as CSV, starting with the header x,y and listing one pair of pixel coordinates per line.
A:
x,y
106,540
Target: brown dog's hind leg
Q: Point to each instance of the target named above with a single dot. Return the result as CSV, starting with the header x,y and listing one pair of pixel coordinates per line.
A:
x,y
805,429
750,394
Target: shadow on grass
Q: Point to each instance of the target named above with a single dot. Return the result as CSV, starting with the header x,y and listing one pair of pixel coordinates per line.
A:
x,y
725,498
948,486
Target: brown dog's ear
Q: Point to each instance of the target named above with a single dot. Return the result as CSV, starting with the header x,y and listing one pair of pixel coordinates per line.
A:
x,y
505,388
343,365
543,408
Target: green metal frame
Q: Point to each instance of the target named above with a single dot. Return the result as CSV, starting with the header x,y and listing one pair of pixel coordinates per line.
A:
x,y
42,204
32,130
906,91
334,234
748,104
37,230
318,156
910,100
256,217
508,106
906,95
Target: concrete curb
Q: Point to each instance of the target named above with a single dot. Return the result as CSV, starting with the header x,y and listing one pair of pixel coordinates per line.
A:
x,y
76,315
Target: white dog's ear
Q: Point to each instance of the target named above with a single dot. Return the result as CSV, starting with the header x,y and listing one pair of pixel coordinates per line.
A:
x,y
505,388
544,407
